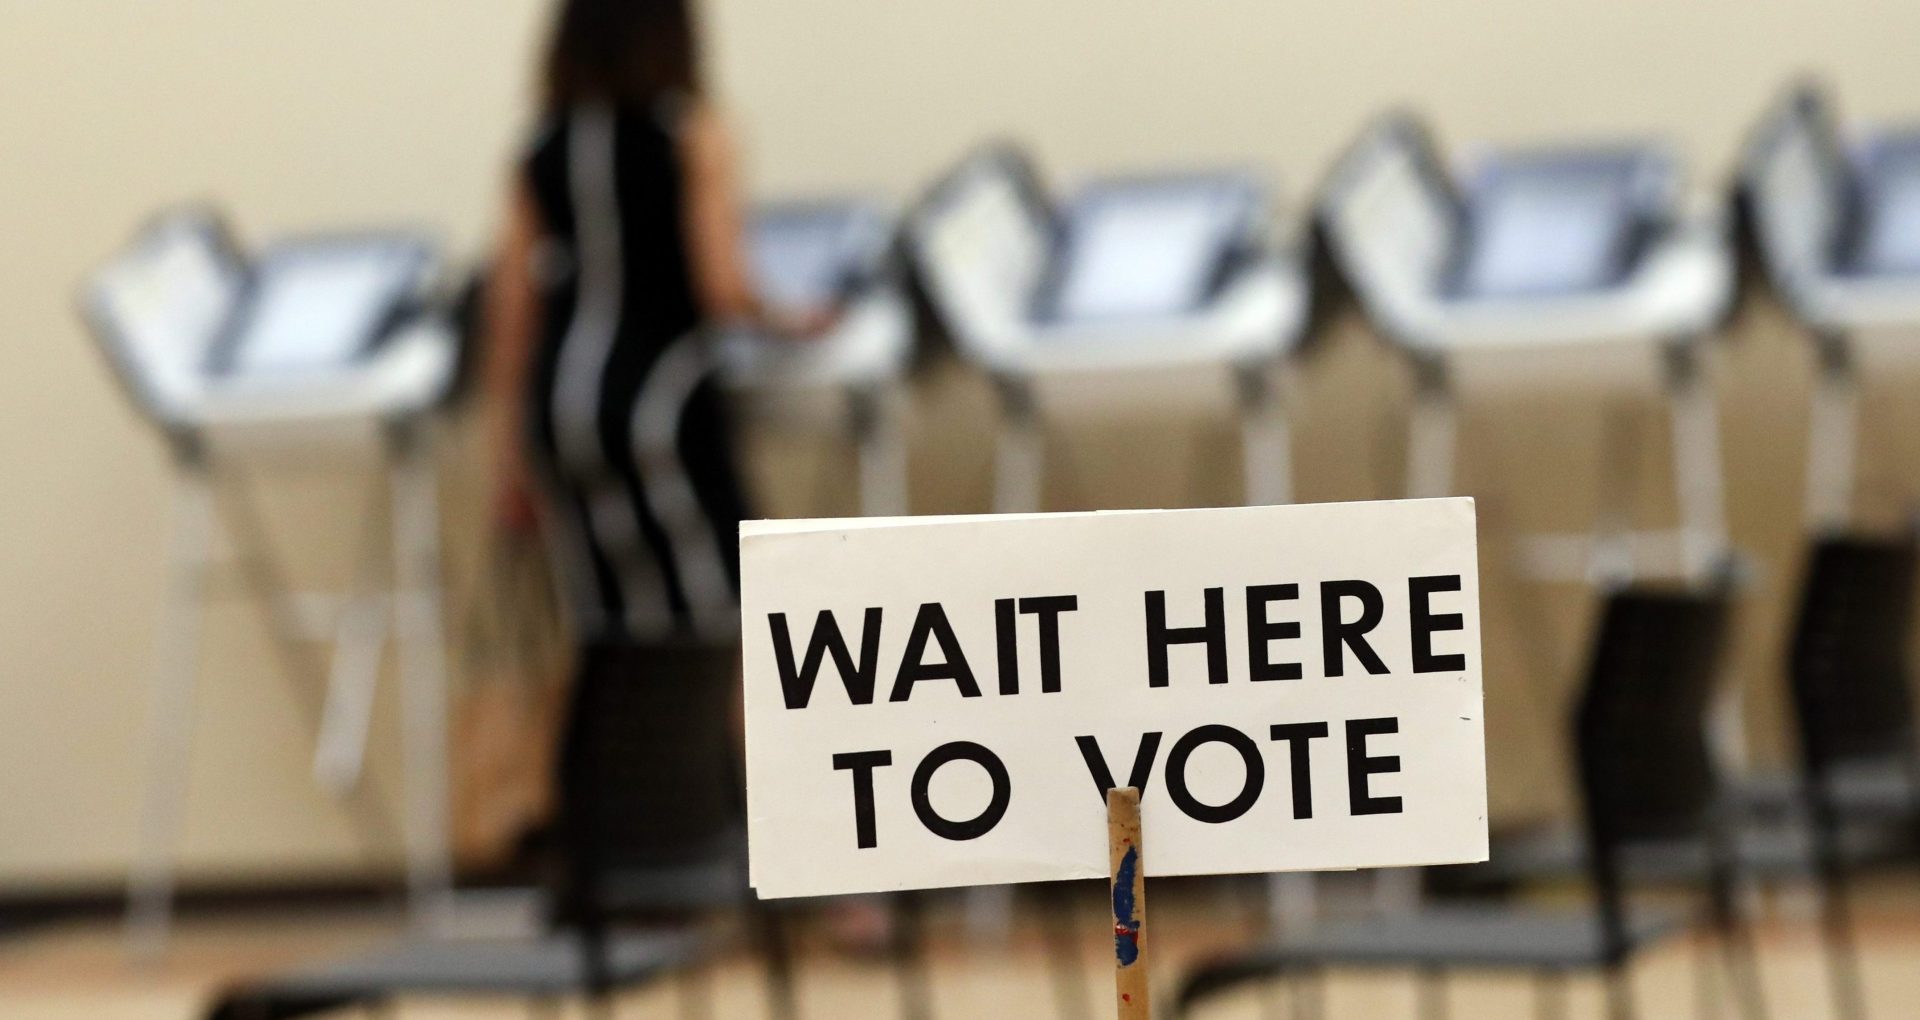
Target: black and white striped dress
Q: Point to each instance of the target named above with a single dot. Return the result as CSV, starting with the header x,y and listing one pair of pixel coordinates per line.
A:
x,y
626,421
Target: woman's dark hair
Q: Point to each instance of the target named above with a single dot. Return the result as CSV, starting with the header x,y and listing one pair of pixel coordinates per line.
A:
x,y
629,52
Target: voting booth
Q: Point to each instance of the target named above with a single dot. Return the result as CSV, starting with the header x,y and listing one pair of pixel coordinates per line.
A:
x,y
1122,276
1836,221
809,258
1579,265
309,347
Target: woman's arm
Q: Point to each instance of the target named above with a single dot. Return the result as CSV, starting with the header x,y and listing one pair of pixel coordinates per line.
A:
x,y
715,230
512,320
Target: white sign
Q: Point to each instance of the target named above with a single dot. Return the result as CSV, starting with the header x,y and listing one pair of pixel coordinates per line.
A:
x,y
942,701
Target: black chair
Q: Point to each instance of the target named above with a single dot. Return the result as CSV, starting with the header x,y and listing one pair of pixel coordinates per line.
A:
x,y
1852,699
650,830
1646,773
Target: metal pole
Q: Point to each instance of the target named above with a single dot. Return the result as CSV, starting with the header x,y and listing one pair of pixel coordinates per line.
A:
x,y
1431,433
170,728
423,673
1019,451
882,451
1832,442
1265,440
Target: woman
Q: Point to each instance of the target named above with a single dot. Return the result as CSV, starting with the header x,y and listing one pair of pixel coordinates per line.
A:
x,y
623,248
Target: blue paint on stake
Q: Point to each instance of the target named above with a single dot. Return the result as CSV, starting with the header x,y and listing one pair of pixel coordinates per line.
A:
x,y
1126,926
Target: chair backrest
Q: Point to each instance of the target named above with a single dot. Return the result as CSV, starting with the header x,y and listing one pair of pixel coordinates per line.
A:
x,y
981,243
1851,691
1391,216
160,306
1641,730
650,796
1798,188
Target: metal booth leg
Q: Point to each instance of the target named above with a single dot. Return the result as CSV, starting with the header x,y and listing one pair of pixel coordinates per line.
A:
x,y
1431,432
170,728
1832,444
423,671
1397,890
1019,450
1265,441
1293,900
1697,466
1611,559
881,449
340,754
360,634
1431,441
1698,484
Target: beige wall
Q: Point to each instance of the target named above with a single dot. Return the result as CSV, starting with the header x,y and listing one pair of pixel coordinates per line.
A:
x,y
367,111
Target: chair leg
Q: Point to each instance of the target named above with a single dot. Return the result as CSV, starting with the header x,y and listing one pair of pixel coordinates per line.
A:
x,y
1742,969
423,671
1620,1002
1735,937
1396,891
1843,955
909,953
1550,995
1432,993
1836,914
690,987
1706,989
770,929
175,677
1064,959
1310,995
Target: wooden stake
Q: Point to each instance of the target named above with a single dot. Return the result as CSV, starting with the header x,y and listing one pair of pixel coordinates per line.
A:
x,y
1127,872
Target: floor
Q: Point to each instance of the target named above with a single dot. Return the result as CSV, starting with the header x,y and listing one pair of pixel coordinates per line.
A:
x,y
76,971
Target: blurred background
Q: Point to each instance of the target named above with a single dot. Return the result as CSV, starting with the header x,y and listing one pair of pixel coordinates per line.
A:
x,y
412,120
